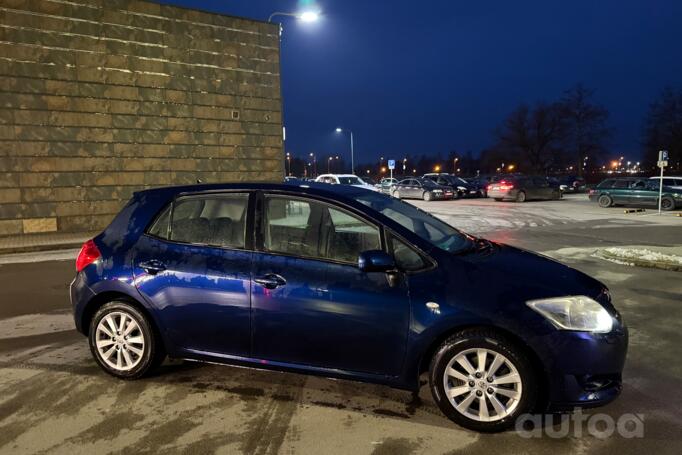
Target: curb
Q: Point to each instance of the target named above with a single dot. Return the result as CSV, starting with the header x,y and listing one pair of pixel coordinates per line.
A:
x,y
38,248
640,262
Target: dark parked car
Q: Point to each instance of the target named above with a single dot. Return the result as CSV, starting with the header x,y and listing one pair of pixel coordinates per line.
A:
x,y
572,184
421,188
629,191
343,282
461,187
523,188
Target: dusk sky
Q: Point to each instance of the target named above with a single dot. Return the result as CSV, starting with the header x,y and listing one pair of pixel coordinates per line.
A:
x,y
429,77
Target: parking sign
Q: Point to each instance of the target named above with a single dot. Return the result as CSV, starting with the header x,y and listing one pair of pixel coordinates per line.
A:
x,y
391,164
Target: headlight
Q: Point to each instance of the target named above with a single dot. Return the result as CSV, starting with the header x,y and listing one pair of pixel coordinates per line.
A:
x,y
574,313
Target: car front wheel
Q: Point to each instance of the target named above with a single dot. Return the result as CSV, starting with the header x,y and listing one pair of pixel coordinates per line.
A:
x,y
123,342
482,381
427,196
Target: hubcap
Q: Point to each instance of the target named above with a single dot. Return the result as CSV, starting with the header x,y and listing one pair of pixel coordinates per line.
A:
x,y
120,341
482,385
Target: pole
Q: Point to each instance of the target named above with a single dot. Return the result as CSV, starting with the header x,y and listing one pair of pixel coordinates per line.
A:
x,y
660,189
352,159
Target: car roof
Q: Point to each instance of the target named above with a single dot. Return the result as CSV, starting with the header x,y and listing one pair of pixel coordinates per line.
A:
x,y
336,175
347,192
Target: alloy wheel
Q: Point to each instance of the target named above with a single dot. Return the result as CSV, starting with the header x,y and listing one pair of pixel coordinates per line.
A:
x,y
482,384
120,341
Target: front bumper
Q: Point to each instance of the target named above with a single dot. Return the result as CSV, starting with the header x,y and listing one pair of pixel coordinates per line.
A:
x,y
583,369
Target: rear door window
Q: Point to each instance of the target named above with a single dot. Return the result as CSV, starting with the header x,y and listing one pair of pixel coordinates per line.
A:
x,y
622,184
216,220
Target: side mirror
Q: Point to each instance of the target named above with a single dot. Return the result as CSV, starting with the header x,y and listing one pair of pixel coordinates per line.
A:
x,y
375,261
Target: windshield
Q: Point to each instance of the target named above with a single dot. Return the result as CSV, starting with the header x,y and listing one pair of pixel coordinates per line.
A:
x,y
350,181
418,221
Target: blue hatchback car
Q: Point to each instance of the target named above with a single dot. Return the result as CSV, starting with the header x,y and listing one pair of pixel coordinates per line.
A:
x,y
348,283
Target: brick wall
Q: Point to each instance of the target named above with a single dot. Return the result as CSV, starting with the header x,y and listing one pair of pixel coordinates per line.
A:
x,y
100,98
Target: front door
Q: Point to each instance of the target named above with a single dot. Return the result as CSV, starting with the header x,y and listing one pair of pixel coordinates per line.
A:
x,y
311,303
194,268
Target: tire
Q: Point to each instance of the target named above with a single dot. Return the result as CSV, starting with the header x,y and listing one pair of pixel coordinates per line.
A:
x,y
396,194
605,201
427,196
556,195
667,203
521,196
129,359
515,398
498,199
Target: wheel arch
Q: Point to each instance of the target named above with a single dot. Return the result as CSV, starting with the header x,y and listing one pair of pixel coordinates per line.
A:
x,y
103,298
536,363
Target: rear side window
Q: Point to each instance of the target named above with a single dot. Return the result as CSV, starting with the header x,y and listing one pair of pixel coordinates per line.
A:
x,y
606,184
314,229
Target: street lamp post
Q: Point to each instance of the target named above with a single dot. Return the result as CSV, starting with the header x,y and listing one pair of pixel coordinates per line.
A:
x,y
288,163
314,169
352,154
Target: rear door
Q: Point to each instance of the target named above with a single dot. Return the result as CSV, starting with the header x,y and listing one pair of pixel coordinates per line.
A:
x,y
194,267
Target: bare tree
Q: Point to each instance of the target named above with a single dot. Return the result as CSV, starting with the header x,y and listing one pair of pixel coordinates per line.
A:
x,y
585,126
534,135
663,127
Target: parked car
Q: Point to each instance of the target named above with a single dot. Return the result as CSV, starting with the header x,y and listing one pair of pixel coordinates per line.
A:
x,y
461,187
572,184
345,283
671,181
291,179
386,184
421,188
345,179
628,191
523,188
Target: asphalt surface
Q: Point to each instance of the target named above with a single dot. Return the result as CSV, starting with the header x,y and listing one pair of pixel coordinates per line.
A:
x,y
54,399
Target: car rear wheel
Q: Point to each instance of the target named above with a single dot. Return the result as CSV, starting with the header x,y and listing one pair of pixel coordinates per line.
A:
x,y
667,203
605,201
123,342
427,196
498,199
482,381
521,196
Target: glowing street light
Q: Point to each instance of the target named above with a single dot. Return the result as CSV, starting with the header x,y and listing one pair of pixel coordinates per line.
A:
x,y
340,130
305,16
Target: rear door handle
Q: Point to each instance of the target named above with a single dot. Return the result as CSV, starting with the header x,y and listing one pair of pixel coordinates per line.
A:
x,y
153,267
271,281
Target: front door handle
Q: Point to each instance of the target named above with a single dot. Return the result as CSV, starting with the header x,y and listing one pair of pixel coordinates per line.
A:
x,y
271,281
153,267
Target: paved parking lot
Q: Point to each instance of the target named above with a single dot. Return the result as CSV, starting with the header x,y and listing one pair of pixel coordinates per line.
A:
x,y
54,399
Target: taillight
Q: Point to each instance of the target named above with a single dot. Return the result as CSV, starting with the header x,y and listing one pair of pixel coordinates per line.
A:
x,y
489,187
506,187
88,254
